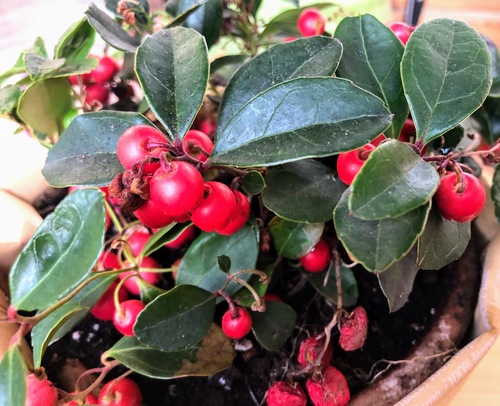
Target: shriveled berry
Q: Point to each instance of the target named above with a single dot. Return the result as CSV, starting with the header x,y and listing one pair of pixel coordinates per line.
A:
x,y
238,326
330,389
309,350
40,392
354,330
283,393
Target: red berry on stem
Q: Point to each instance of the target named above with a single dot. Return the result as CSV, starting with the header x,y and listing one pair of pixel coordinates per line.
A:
x,y
378,139
40,392
96,92
238,326
137,240
207,126
177,189
120,392
318,258
152,216
194,139
132,283
126,315
311,22
105,70
456,205
330,389
240,216
349,163
282,393
104,309
309,350
354,330
107,261
402,31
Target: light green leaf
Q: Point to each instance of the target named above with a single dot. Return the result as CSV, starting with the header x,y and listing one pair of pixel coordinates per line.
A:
x,y
13,378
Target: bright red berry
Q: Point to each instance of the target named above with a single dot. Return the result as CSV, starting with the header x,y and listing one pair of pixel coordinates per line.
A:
x,y
349,163
283,393
240,216
138,143
96,93
377,140
90,399
318,258
330,389
40,392
105,70
195,139
177,189
311,22
137,240
132,283
309,350
402,31
460,205
150,215
238,326
183,238
107,261
126,315
104,309
207,126
216,208
354,330
121,392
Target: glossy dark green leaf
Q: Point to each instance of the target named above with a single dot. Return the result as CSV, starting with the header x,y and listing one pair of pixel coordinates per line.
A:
x,y
177,319
303,191
110,30
13,378
224,263
44,104
442,241
180,17
172,67
149,292
76,43
61,253
226,60
206,19
293,240
495,192
396,282
9,98
307,57
371,59
40,67
207,357
394,180
326,285
86,152
199,264
446,72
272,327
377,244
163,236
312,117
253,182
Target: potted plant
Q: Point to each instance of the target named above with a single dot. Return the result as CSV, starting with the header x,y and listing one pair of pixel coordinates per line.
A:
x,y
284,202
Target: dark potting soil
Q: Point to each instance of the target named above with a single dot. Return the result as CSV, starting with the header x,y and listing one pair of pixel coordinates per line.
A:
x,y
391,336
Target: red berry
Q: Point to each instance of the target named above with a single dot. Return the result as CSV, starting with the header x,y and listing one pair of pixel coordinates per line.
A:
x,y
183,238
137,240
104,309
378,140
311,22
207,126
460,206
318,258
349,163
330,389
289,39
282,393
40,392
90,399
105,70
132,283
402,31
178,189
240,216
216,208
239,326
354,330
121,392
150,215
107,261
138,143
194,139
309,350
96,92
126,316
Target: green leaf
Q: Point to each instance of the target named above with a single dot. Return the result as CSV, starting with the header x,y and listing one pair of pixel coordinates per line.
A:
x,y
177,319
40,67
272,327
227,60
396,282
371,59
312,117
213,354
86,152
244,297
442,241
110,30
76,43
326,285
9,98
161,237
172,67
293,240
446,72
307,57
199,264
13,378
376,244
173,7
394,180
495,88
303,191
61,253
44,104
495,192
224,263
253,183
206,19
38,47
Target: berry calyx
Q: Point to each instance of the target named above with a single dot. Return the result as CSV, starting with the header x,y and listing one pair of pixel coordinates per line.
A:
x,y
349,163
121,392
283,393
40,392
318,258
126,315
353,330
240,216
236,324
330,389
104,309
311,22
309,350
402,31
193,141
460,202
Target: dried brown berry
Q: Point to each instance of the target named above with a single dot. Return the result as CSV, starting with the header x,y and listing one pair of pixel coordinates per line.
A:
x,y
354,330
283,393
309,350
330,389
